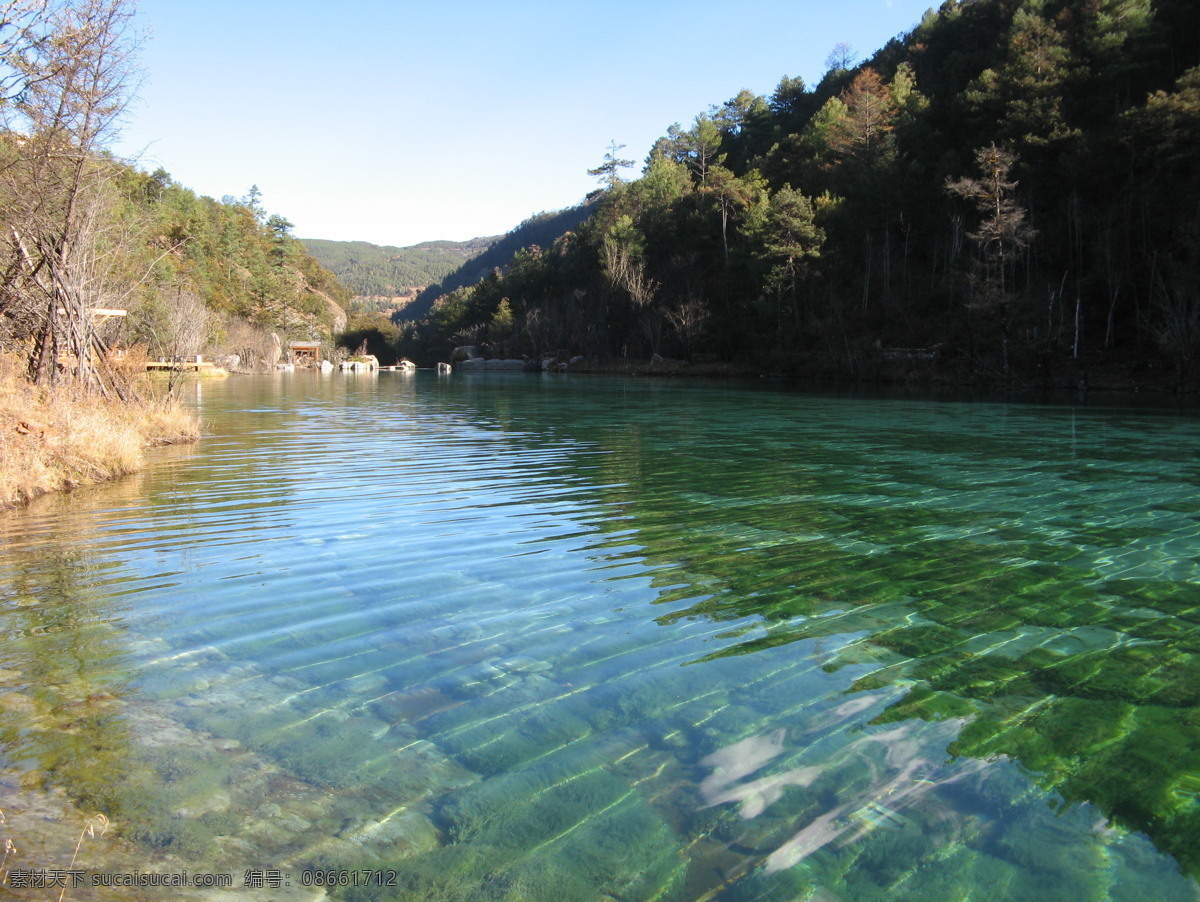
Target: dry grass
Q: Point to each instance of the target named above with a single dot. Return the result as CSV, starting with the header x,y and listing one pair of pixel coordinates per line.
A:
x,y
56,440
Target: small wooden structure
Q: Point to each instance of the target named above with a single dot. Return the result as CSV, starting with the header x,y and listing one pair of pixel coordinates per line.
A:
x,y
102,315
194,364
304,353
99,315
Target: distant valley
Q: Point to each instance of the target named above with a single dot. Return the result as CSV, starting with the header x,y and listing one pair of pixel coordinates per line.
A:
x,y
405,281
388,279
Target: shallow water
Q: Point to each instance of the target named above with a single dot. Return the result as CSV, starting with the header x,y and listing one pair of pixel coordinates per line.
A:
x,y
514,637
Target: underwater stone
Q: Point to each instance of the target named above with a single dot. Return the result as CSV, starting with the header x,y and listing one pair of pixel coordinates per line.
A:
x,y
293,823
404,834
218,801
18,703
267,831
537,683
760,836
524,665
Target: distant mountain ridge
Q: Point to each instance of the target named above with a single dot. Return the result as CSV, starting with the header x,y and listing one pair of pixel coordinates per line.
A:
x,y
372,270
542,229
434,268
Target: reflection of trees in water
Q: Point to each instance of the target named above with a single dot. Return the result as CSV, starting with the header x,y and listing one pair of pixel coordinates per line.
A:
x,y
1095,690
64,677
1091,682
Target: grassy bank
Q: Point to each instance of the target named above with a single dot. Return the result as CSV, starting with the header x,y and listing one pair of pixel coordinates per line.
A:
x,y
53,440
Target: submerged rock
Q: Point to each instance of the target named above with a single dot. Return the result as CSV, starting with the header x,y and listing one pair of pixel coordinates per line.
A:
x,y
404,833
524,665
17,703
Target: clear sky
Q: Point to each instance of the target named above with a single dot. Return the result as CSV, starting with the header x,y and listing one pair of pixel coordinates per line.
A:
x,y
402,122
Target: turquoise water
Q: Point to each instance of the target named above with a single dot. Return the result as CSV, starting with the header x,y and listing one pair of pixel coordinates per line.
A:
x,y
524,638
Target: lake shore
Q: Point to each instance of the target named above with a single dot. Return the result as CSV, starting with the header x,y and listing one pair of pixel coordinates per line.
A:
x,y
52,441
928,368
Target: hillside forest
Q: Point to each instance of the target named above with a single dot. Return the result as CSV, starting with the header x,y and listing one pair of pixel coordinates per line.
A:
x,y
415,278
1005,194
1008,193
386,278
84,233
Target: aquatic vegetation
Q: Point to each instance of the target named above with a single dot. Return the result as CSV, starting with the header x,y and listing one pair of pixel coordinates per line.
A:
x,y
591,830
922,642
926,704
548,658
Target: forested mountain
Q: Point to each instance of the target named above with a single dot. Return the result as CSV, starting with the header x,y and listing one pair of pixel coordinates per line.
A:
x,y
541,229
194,274
84,235
199,275
1008,192
242,263
371,270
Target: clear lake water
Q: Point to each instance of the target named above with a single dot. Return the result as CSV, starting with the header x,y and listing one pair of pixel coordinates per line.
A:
x,y
514,637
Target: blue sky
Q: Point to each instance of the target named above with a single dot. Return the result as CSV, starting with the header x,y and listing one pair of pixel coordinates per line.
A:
x,y
401,122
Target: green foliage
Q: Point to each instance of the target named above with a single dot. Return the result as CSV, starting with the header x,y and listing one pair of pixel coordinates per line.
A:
x,y
190,270
609,172
664,182
242,264
791,235
813,230
369,270
381,335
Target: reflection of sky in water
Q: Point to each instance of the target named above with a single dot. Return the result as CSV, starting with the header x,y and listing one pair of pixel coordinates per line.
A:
x,y
904,776
522,638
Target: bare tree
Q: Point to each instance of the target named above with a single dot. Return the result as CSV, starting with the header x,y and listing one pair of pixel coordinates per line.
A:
x,y
20,35
689,318
178,326
1176,310
1002,236
840,58
175,325
253,348
76,85
627,271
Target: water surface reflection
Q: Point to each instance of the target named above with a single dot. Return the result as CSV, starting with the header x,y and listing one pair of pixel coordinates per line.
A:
x,y
521,638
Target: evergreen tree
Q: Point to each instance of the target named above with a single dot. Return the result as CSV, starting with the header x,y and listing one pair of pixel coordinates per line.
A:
x,y
609,172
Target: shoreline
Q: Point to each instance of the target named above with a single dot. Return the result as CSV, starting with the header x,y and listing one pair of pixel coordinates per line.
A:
x,y
1094,373
55,441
